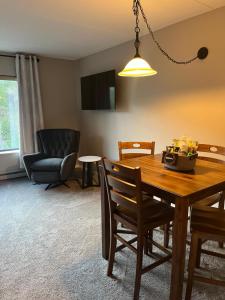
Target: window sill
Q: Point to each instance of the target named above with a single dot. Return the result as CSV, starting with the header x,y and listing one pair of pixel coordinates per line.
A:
x,y
9,152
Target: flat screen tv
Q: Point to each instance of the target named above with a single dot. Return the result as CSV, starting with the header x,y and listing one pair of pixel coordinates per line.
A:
x,y
98,91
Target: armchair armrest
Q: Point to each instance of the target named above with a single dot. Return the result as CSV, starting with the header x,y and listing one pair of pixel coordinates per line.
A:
x,y
29,159
68,165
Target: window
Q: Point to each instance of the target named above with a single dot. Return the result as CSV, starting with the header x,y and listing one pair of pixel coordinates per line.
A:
x,y
9,115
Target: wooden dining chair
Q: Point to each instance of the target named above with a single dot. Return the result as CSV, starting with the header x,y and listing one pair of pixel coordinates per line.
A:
x,y
214,154
135,149
139,215
207,223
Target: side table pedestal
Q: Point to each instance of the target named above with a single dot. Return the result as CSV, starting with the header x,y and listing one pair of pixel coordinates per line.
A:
x,y
88,163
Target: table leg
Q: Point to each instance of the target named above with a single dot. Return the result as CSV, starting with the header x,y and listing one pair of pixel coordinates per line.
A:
x,y
89,175
98,174
179,248
83,175
105,219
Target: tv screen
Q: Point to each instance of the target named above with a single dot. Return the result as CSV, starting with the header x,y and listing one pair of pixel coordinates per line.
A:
x,y
98,91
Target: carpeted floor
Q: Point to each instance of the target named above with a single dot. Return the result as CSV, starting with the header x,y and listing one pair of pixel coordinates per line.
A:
x,y
50,248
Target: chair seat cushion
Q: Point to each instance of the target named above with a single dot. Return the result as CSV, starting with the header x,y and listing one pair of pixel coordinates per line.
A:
x,y
47,164
154,212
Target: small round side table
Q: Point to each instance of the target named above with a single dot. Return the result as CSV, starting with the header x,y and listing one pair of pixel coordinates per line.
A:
x,y
87,170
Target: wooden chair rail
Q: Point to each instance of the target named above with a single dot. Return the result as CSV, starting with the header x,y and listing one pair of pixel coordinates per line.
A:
x,y
118,184
211,149
149,148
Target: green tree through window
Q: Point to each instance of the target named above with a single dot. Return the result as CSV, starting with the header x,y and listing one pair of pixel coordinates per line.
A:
x,y
9,115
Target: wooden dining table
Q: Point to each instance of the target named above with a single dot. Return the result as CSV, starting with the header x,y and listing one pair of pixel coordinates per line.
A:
x,y
182,189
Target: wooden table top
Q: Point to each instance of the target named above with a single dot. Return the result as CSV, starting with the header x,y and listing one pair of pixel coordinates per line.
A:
x,y
207,177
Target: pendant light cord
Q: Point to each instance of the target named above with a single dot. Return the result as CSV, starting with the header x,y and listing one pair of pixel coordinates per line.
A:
x,y
136,7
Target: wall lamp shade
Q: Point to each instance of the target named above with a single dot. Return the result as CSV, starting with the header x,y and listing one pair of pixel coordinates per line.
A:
x,y
137,67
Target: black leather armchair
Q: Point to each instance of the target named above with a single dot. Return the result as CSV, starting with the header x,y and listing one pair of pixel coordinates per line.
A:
x,y
55,162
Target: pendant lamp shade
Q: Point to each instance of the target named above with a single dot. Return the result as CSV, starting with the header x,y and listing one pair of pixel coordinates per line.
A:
x,y
137,67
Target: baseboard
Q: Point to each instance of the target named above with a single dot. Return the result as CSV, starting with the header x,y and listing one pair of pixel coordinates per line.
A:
x,y
12,175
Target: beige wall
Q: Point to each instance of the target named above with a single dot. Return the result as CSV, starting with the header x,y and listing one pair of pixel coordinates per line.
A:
x,y
7,66
58,87
179,100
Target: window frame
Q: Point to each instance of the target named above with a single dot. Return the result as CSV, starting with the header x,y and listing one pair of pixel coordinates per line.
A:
x,y
9,78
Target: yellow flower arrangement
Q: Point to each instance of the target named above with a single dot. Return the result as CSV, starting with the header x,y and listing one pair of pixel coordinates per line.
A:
x,y
184,145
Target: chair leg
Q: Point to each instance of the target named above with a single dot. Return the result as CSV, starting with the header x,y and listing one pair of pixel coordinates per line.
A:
x,y
48,186
221,245
56,184
65,184
150,235
166,235
112,249
191,265
221,207
198,258
140,245
147,245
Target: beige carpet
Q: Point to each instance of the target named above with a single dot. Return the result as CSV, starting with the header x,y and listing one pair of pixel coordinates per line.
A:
x,y
50,248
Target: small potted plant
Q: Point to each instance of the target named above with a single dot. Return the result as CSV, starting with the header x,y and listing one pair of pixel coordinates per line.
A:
x,y
181,155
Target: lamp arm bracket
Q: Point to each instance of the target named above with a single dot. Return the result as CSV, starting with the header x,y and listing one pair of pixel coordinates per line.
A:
x,y
201,54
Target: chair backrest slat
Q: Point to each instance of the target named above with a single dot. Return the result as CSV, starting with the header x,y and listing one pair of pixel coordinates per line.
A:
x,y
135,149
123,185
124,201
118,170
215,153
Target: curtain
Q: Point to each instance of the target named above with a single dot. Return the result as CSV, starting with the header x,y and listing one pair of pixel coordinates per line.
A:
x,y
30,105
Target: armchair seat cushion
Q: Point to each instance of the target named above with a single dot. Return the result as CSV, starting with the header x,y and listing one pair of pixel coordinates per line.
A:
x,y
45,177
47,164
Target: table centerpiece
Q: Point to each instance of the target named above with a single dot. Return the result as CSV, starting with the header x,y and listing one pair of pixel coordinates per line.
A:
x,y
181,155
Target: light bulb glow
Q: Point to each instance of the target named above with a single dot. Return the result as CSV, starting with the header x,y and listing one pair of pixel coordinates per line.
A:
x,y
137,67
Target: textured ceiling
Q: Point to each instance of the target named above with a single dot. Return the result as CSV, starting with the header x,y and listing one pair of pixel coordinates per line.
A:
x,y
76,28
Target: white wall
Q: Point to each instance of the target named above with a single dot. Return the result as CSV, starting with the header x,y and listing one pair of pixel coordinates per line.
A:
x,y
179,100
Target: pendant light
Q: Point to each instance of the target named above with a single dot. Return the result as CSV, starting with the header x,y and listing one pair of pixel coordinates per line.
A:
x,y
138,67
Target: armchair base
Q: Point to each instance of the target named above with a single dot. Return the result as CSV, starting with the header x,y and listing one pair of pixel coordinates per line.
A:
x,y
53,185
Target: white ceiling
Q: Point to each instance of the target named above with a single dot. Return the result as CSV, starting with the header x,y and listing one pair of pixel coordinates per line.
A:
x,y
76,28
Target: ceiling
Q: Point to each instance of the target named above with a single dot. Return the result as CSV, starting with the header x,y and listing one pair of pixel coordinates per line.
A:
x,y
73,29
